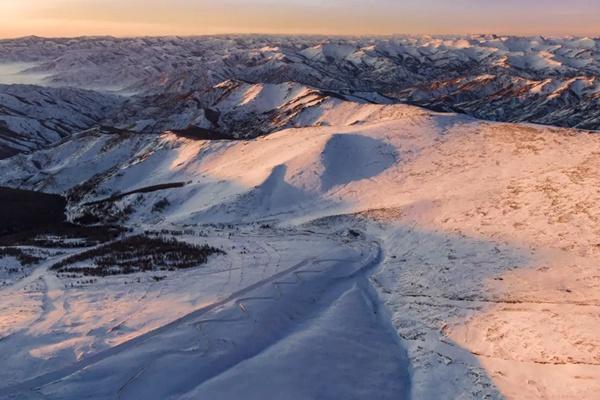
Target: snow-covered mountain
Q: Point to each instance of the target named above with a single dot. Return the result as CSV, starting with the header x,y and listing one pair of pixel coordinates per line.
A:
x,y
500,78
34,117
199,84
487,233
368,249
97,163
560,100
240,110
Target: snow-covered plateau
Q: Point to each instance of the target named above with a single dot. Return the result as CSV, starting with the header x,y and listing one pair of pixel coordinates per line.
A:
x,y
369,249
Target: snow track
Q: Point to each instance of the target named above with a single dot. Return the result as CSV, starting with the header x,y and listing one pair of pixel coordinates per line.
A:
x,y
320,314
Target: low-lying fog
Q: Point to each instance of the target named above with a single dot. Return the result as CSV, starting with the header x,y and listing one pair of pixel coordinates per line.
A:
x,y
13,73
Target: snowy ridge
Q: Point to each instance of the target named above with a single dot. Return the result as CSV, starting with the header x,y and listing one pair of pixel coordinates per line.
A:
x,y
32,117
445,73
445,197
241,110
373,249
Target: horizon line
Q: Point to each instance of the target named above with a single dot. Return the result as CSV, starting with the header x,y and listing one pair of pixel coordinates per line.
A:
x,y
308,34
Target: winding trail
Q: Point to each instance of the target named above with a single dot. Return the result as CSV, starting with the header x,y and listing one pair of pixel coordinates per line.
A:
x,y
322,299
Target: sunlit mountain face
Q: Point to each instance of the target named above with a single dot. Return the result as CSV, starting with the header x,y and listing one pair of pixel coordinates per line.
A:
x,y
299,216
150,85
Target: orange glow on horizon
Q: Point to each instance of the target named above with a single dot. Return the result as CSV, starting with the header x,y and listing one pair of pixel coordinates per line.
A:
x,y
350,17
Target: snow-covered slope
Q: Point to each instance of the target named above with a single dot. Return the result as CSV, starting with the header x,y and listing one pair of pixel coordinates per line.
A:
x,y
488,233
241,110
79,158
100,163
374,250
494,77
32,117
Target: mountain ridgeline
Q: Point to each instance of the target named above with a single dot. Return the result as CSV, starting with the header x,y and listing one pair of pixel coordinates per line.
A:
x,y
200,86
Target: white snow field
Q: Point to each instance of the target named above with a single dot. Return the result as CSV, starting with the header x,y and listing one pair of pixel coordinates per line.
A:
x,y
388,252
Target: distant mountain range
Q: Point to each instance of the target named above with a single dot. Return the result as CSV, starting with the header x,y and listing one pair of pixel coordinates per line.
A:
x,y
159,84
363,248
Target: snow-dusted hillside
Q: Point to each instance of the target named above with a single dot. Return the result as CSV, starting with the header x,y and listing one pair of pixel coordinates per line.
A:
x,y
473,243
32,117
250,85
366,249
491,77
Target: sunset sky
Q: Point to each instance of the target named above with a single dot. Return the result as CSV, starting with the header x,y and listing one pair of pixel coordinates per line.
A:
x,y
190,17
